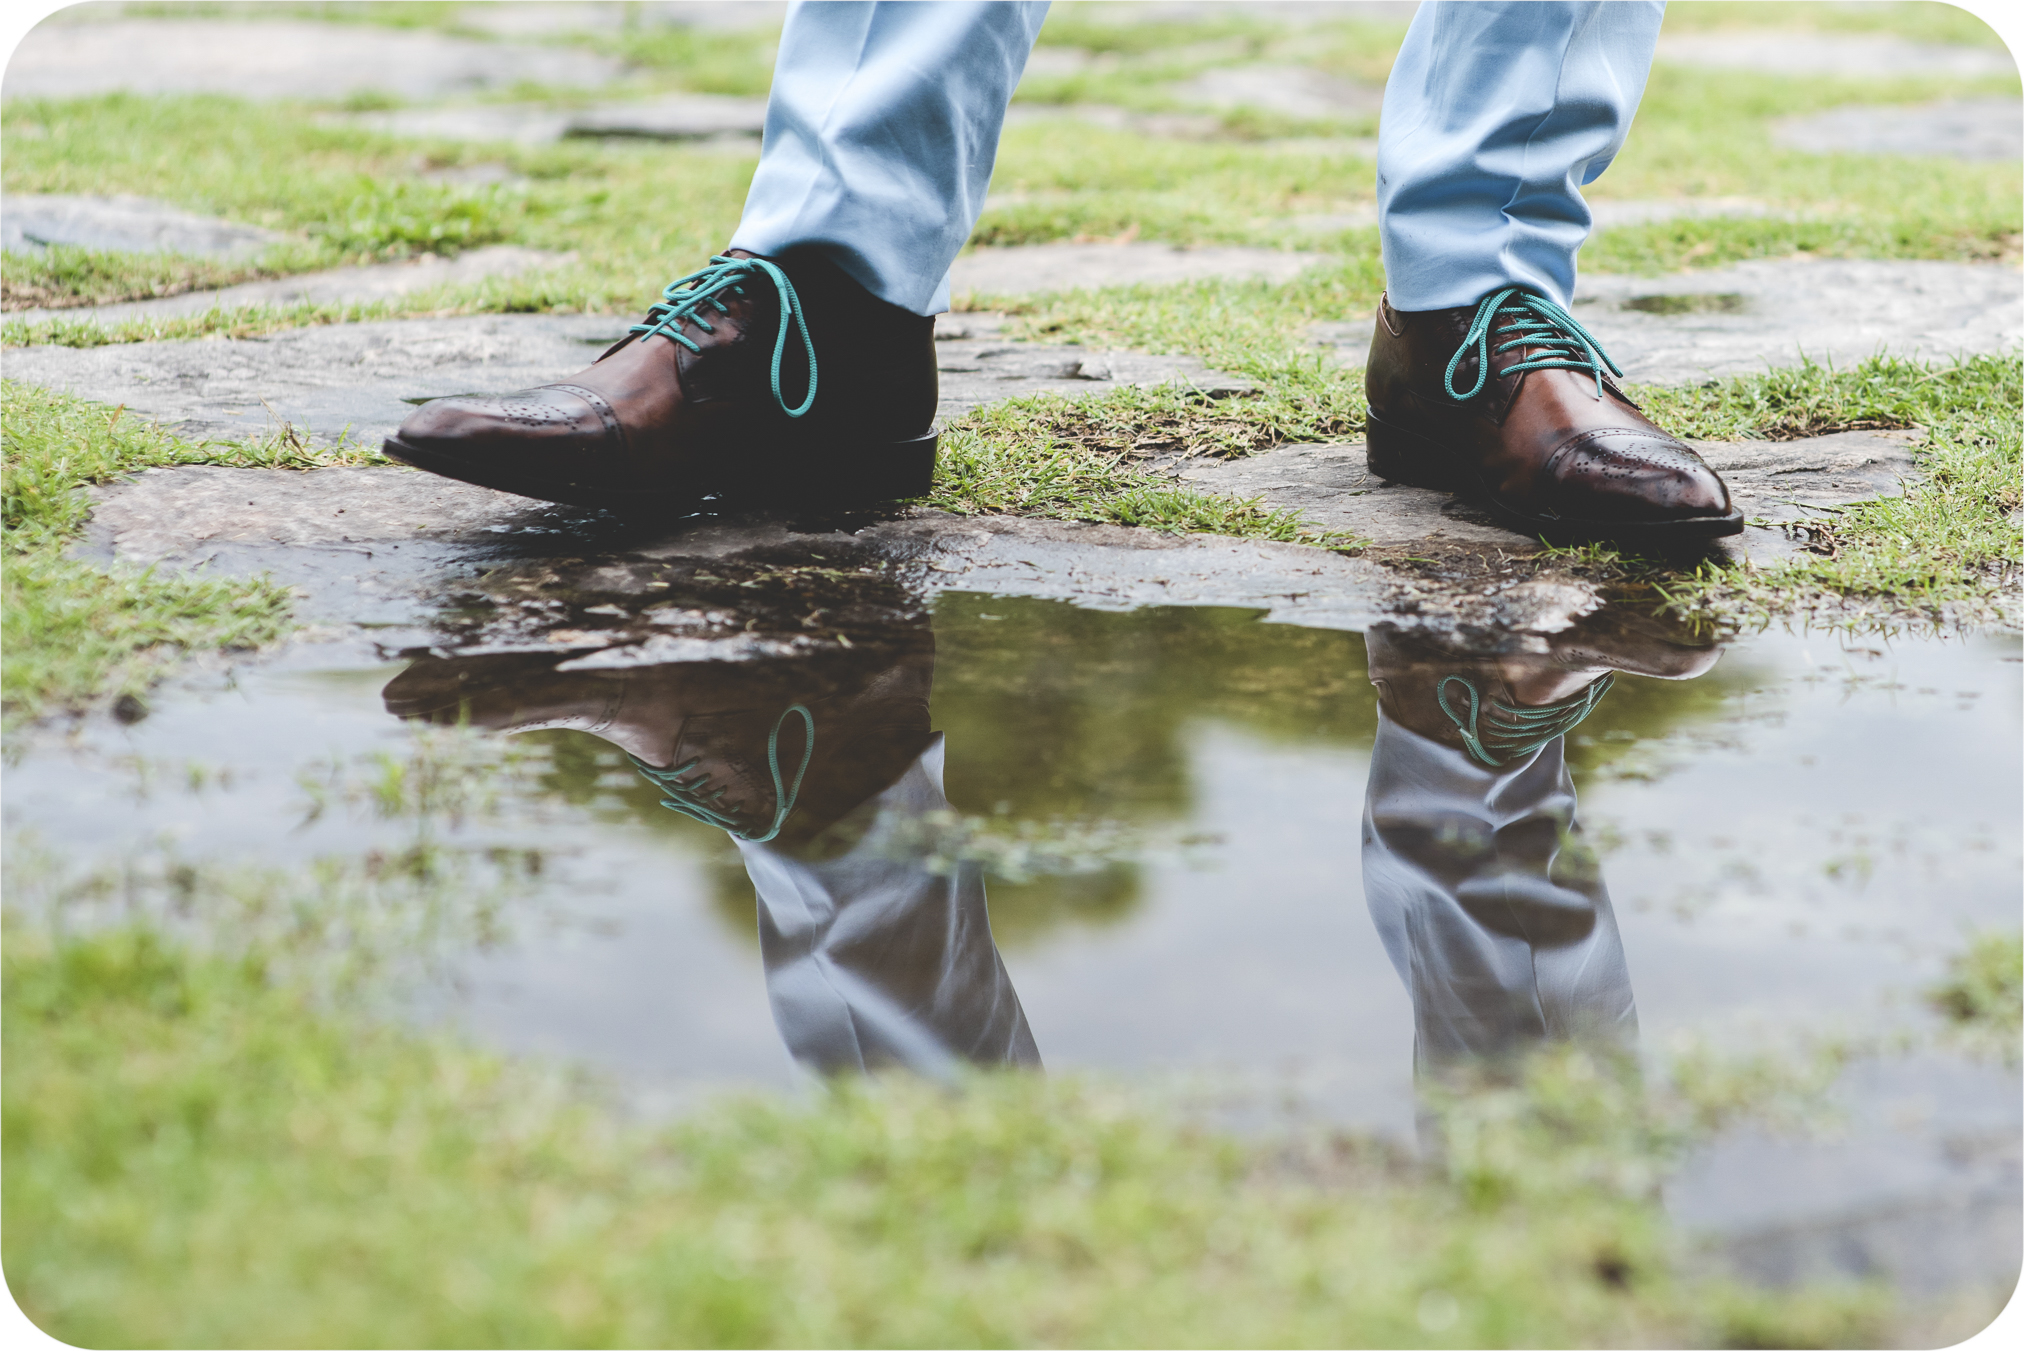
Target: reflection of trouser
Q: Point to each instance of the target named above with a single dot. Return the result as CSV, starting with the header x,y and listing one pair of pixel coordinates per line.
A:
x,y
1493,913
883,125
872,960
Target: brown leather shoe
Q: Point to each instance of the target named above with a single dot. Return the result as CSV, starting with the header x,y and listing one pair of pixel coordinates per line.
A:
x,y
1543,438
752,382
1501,708
764,750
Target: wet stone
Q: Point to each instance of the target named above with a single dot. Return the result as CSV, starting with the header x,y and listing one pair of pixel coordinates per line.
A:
x,y
1971,129
31,222
339,286
279,59
424,562
1740,319
1034,269
1779,485
364,379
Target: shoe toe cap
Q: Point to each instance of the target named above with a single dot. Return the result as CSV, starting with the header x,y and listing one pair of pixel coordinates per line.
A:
x,y
1638,477
471,420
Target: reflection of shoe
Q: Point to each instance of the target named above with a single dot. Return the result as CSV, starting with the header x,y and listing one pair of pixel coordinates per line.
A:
x,y
1501,708
1543,438
770,381
760,749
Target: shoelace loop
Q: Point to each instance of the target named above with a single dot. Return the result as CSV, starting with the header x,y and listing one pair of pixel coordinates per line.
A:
x,y
1531,321
693,797
706,289
1497,733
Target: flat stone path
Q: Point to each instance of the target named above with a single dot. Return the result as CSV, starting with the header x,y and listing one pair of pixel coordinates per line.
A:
x,y
366,378
1970,129
1802,52
1292,91
31,222
1770,312
672,117
406,554
1781,484
338,286
1032,269
280,59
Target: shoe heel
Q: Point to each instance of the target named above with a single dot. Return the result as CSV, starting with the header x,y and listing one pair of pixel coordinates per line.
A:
x,y
1391,452
899,469
829,475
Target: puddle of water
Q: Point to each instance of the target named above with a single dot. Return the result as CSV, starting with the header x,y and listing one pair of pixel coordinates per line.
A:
x,y
1722,302
1164,841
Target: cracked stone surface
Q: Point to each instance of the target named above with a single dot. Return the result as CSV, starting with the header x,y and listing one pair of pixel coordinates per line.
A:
x,y
30,222
75,55
1781,484
339,286
423,562
367,377
1030,269
1973,129
1768,312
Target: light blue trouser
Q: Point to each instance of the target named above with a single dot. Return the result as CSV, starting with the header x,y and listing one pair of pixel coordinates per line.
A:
x,y
1492,910
875,959
883,125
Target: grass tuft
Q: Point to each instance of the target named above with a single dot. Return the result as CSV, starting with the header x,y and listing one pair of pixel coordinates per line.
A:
x,y
74,632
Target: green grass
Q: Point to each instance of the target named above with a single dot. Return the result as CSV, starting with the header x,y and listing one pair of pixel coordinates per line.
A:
x,y
1982,996
1948,551
201,1151
74,632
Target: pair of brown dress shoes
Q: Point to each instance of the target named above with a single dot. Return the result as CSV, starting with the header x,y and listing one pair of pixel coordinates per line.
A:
x,y
783,382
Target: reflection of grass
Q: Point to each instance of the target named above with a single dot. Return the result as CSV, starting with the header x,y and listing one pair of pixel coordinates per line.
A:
x,y
72,630
1982,996
198,1152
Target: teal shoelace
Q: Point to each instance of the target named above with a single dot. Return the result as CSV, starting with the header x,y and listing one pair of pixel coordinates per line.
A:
x,y
1531,321
706,291
1497,733
692,796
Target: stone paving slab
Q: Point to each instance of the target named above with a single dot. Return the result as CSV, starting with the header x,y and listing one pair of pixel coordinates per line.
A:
x,y
1606,213
1031,269
1769,312
1971,129
1778,483
1784,52
31,222
411,555
672,117
338,286
367,377
280,59
1294,91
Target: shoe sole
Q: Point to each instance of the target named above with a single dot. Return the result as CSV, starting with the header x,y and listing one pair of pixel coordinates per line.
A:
x,y
1404,456
846,477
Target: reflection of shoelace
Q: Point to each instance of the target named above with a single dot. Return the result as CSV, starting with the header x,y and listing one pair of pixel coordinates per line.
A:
x,y
1533,321
706,290
1497,733
693,798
